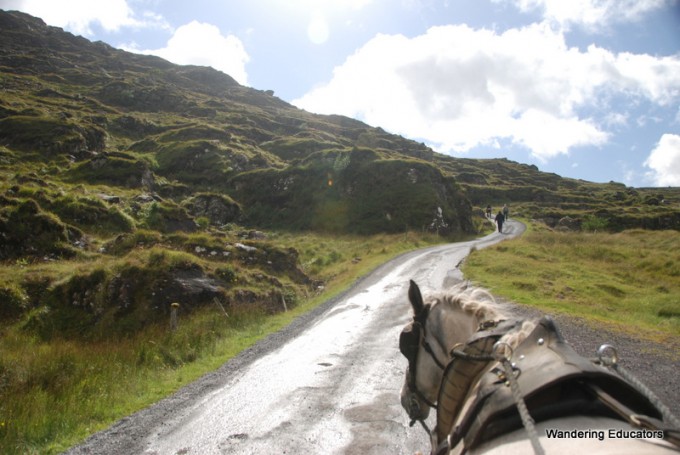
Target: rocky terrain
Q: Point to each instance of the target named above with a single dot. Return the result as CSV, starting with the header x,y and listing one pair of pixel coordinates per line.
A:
x,y
129,182
159,182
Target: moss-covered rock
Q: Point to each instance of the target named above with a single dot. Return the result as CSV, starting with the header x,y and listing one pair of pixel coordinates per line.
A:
x,y
28,230
144,98
12,302
115,169
354,191
89,213
168,217
133,126
48,136
220,209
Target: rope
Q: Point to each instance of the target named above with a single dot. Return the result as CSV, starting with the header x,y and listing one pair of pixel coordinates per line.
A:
x,y
609,358
527,420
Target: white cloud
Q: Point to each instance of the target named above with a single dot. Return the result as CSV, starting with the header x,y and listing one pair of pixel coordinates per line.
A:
x,y
458,87
664,161
198,43
78,16
592,14
616,119
654,78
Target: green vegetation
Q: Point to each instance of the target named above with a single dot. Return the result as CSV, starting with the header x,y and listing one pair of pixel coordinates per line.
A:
x,y
128,183
56,393
359,191
608,207
55,390
628,281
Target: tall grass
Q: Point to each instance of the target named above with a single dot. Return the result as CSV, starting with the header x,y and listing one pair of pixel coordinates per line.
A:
x,y
628,281
54,394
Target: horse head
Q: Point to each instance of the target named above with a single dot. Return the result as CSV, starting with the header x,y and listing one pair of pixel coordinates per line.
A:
x,y
459,347
439,324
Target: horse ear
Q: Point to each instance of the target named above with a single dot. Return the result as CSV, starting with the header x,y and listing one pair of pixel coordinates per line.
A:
x,y
416,298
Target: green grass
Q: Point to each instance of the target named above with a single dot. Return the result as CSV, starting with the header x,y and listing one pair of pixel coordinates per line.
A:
x,y
57,393
54,394
627,281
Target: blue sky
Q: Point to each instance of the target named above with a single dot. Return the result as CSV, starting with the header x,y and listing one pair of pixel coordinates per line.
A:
x,y
587,89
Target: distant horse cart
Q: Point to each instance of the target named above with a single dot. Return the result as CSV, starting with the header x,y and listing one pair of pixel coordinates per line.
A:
x,y
509,386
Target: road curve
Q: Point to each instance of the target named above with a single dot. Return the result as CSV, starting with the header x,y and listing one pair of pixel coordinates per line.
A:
x,y
328,384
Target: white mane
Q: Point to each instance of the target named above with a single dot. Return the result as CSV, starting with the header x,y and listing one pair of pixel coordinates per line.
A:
x,y
481,304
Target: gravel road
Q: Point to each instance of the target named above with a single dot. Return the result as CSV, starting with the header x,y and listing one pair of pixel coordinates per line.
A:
x,y
329,382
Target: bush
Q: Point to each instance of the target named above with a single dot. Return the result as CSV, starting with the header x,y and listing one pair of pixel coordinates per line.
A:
x,y
226,274
593,223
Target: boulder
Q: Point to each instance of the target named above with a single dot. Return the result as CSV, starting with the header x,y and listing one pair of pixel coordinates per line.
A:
x,y
219,209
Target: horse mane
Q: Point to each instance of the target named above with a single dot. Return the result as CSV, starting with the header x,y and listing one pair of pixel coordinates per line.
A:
x,y
481,304
473,300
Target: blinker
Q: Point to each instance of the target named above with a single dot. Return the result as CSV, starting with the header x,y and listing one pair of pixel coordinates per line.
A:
x,y
409,341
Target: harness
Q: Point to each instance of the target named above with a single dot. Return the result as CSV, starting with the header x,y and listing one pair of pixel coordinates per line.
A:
x,y
561,383
461,372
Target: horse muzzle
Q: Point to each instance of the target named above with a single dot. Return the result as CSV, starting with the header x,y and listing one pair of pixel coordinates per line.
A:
x,y
416,408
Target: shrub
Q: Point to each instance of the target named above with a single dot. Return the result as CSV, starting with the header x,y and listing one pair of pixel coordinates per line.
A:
x,y
593,223
226,274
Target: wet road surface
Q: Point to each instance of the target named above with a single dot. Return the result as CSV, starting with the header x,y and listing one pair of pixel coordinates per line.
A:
x,y
331,388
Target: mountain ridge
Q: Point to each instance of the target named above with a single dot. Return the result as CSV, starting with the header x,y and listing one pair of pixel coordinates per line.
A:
x,y
260,130
226,124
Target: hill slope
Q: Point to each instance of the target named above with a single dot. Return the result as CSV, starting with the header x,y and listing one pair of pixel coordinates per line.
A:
x,y
96,115
125,180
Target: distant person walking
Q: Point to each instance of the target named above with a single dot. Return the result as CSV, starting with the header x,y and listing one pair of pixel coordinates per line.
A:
x,y
488,211
500,219
505,211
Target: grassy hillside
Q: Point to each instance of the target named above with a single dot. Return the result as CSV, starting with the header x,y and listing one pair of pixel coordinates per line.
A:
x,y
128,183
627,281
57,390
610,207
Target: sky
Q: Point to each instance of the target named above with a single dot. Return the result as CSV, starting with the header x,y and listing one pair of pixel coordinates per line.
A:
x,y
587,89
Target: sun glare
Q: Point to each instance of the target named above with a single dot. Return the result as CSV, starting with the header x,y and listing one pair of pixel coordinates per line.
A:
x,y
335,4
320,14
318,30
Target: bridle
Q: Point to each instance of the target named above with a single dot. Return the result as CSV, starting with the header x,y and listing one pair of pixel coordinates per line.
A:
x,y
411,339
